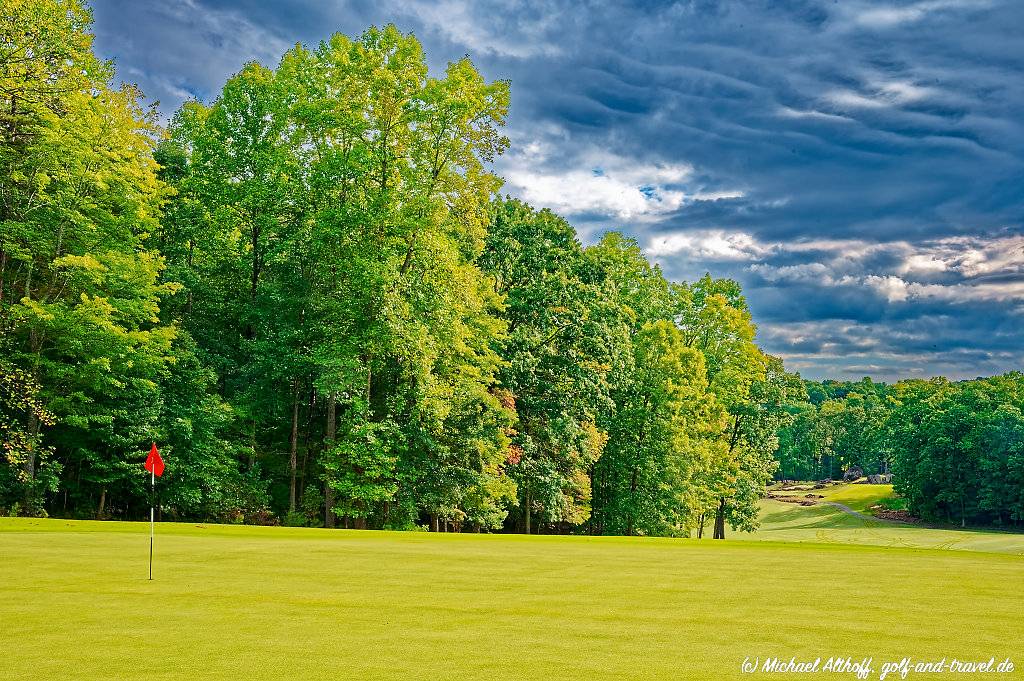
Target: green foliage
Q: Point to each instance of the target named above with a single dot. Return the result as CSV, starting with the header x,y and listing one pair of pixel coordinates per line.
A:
x,y
959,449
21,444
664,425
81,285
834,427
361,467
327,221
954,449
561,343
308,294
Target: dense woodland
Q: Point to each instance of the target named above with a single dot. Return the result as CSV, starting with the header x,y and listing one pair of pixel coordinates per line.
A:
x,y
311,294
955,449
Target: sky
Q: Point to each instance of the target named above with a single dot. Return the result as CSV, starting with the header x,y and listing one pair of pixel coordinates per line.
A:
x,y
858,165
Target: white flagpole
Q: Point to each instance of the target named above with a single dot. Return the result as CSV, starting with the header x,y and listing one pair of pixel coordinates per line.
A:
x,y
152,500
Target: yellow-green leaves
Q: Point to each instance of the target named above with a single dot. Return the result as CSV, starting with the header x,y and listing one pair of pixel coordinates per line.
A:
x,y
79,198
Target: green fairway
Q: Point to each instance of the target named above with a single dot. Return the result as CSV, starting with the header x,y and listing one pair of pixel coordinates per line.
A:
x,y
859,497
269,603
824,523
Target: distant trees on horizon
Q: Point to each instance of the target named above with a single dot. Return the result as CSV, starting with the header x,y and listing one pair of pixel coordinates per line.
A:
x,y
955,448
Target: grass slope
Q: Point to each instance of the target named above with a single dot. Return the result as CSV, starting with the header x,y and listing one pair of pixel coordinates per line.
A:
x,y
785,522
272,603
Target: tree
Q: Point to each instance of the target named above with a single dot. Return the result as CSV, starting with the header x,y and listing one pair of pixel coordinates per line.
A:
x,y
105,369
19,405
80,291
557,355
664,420
714,319
308,292
956,448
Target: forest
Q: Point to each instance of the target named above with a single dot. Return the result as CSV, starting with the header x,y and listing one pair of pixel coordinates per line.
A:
x,y
312,295
955,449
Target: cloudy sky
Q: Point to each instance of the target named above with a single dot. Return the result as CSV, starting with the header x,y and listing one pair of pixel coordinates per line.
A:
x,y
857,164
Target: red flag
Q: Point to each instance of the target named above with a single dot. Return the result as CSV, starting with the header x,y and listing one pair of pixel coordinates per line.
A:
x,y
154,464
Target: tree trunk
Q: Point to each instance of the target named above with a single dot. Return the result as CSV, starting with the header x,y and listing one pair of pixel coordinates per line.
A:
x,y
188,303
103,503
632,502
526,509
30,461
301,491
29,467
303,471
593,499
3,270
720,520
293,460
331,431
254,279
28,282
701,521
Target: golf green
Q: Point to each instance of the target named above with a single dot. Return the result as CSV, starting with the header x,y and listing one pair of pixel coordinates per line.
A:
x,y
233,602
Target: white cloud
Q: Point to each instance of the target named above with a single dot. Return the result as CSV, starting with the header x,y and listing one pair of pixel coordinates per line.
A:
x,y
922,262
850,99
899,290
842,253
968,257
894,289
716,196
845,247
881,94
888,16
972,261
789,112
901,92
602,183
976,257
713,244
962,293
457,22
625,197
806,272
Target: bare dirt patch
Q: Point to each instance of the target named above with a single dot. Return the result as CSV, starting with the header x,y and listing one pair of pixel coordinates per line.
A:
x,y
802,501
899,516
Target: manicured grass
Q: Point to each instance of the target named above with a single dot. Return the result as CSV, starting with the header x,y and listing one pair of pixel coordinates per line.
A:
x,y
785,522
276,603
859,497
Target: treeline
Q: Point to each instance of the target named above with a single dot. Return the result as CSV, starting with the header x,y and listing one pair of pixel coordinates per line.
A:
x,y
955,449
309,294
959,449
838,425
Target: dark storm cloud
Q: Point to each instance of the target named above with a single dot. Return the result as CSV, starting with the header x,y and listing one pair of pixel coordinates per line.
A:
x,y
858,165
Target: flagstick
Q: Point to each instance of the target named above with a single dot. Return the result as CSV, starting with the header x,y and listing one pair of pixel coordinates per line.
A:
x,y
152,500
